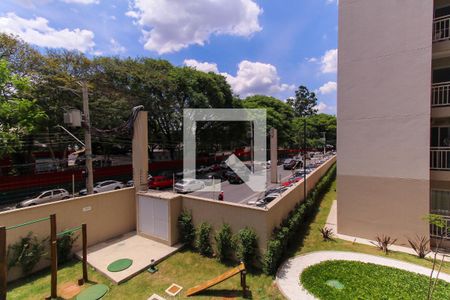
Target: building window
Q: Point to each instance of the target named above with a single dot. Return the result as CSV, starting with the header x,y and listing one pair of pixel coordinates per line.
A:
x,y
440,202
440,137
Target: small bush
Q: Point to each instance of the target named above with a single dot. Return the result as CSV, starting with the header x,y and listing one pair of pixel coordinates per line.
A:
x,y
64,247
273,256
247,246
327,233
384,242
26,253
224,243
186,227
420,246
203,243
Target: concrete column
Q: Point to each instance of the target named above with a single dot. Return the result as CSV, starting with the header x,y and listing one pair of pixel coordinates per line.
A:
x,y
140,152
273,155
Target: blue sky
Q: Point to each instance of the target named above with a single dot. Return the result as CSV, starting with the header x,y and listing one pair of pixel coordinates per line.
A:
x,y
261,46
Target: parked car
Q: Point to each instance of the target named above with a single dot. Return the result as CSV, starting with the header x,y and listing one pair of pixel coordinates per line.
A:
x,y
214,168
223,164
131,182
265,199
301,172
290,164
278,189
104,186
217,176
45,197
291,181
202,169
160,182
232,177
189,185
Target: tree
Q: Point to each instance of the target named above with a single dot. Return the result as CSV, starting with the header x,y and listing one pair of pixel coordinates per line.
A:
x,y
279,116
316,126
19,115
304,102
438,222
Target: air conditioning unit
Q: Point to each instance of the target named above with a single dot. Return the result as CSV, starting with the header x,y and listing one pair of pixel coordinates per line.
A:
x,y
73,118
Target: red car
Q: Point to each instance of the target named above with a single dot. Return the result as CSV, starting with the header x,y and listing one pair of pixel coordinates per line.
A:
x,y
160,182
291,181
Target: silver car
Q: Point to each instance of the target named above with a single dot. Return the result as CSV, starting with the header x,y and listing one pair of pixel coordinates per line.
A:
x,y
104,186
189,185
45,197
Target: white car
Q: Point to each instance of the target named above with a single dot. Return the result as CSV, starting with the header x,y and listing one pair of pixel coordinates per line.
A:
x,y
189,185
104,186
45,197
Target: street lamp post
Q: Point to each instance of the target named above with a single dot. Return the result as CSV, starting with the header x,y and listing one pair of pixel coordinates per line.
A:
x,y
304,160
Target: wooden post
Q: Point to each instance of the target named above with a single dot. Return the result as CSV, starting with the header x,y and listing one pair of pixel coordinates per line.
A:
x,y
84,237
3,265
54,258
244,283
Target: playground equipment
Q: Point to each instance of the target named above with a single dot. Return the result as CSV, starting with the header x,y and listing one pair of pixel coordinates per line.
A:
x,y
53,253
237,270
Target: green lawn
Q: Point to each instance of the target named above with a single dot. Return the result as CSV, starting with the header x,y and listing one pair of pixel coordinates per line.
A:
x,y
188,269
184,268
341,280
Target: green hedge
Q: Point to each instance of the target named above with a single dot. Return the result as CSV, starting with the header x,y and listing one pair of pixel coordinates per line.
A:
x,y
284,235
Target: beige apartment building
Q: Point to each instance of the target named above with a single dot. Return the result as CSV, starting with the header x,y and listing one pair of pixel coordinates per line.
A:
x,y
393,117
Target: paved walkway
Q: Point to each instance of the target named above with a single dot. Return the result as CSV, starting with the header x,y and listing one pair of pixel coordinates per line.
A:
x,y
289,273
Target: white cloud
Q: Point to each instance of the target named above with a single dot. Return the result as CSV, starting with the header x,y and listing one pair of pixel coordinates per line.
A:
x,y
328,88
116,47
251,77
201,66
38,32
332,1
82,1
322,107
256,78
169,25
311,59
329,61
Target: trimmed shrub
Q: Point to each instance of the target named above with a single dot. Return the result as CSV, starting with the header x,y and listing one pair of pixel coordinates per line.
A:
x,y
247,246
203,243
284,235
64,247
224,243
186,227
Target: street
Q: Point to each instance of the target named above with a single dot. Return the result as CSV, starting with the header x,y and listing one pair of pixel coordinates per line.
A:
x,y
241,193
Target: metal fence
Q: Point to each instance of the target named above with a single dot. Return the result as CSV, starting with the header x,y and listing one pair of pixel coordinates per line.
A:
x,y
440,159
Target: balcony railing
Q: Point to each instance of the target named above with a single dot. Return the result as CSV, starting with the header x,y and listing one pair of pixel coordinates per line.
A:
x,y
440,158
441,29
440,94
437,232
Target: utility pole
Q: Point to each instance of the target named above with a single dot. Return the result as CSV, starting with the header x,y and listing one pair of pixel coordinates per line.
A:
x,y
87,140
304,160
324,142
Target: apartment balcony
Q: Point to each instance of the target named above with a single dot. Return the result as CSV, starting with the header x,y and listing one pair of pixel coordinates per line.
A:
x,y
440,100
441,37
440,158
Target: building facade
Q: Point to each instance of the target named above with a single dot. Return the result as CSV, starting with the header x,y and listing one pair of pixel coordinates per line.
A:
x,y
393,117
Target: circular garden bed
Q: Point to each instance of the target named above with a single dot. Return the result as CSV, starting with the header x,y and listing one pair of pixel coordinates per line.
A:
x,y
342,279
